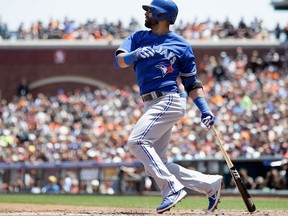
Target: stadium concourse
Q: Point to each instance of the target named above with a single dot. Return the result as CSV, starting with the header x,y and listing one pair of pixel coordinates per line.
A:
x,y
248,96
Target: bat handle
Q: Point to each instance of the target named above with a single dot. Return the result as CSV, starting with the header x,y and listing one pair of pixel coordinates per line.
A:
x,y
220,144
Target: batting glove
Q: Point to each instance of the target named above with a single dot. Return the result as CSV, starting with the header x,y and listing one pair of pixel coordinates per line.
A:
x,y
145,52
208,119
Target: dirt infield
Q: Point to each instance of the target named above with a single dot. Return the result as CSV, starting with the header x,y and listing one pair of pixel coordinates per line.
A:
x,y
61,210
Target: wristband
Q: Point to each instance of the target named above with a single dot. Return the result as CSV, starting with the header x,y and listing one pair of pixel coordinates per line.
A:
x,y
202,105
130,58
115,63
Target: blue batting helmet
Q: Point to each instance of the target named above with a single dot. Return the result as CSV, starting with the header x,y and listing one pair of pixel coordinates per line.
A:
x,y
163,10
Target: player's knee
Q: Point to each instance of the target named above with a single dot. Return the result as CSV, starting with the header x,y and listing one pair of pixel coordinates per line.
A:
x,y
137,142
130,143
134,146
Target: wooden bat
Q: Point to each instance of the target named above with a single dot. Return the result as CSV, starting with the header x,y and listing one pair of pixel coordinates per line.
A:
x,y
236,177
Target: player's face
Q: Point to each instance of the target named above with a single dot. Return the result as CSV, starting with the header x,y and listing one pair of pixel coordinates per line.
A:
x,y
149,21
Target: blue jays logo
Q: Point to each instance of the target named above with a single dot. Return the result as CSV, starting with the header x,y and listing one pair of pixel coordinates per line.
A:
x,y
165,69
167,54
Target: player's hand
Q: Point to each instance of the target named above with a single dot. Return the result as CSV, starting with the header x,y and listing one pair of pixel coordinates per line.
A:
x,y
208,119
145,52
132,57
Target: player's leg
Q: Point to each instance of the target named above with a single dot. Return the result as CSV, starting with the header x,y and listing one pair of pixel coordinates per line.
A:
x,y
210,185
160,115
194,180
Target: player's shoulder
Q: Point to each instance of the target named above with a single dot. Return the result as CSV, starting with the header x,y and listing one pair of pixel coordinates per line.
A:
x,y
179,38
140,33
178,42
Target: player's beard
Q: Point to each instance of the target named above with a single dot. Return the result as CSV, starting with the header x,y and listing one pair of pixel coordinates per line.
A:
x,y
150,22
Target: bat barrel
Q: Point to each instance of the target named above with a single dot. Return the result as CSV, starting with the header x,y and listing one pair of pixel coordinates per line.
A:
x,y
236,177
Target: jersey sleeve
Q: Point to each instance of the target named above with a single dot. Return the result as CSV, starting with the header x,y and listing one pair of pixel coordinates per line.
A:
x,y
127,45
188,65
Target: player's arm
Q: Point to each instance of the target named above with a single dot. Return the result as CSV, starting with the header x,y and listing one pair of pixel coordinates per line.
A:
x,y
119,60
194,89
125,59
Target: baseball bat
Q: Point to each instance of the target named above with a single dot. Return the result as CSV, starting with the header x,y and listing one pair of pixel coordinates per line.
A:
x,y
236,177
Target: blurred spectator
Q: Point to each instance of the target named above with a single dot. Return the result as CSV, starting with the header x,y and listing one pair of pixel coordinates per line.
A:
x,y
67,184
282,167
259,183
219,72
248,180
132,179
75,186
273,180
21,32
256,62
273,59
285,175
205,68
93,188
286,31
278,31
23,87
4,32
52,185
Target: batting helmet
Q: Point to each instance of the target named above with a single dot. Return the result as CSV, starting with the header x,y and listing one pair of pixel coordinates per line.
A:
x,y
163,10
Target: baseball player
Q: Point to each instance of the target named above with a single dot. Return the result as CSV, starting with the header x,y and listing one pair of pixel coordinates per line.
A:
x,y
159,56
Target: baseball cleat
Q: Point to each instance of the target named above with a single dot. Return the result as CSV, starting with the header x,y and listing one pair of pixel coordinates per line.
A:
x,y
171,200
215,198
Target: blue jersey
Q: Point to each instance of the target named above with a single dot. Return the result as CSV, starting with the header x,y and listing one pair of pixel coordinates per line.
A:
x,y
173,57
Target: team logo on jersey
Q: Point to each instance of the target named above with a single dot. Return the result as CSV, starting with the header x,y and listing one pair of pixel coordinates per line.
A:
x,y
165,69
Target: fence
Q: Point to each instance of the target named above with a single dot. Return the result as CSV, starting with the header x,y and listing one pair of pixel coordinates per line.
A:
x,y
91,177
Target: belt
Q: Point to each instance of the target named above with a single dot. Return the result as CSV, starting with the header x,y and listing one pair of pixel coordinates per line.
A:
x,y
151,96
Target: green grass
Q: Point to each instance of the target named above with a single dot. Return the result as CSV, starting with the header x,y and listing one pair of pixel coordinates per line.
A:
x,y
192,202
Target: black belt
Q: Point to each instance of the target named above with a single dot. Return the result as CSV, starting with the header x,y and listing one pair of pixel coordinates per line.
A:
x,y
151,96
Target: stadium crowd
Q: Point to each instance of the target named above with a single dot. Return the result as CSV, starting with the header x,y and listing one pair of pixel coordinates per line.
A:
x,y
207,29
248,95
